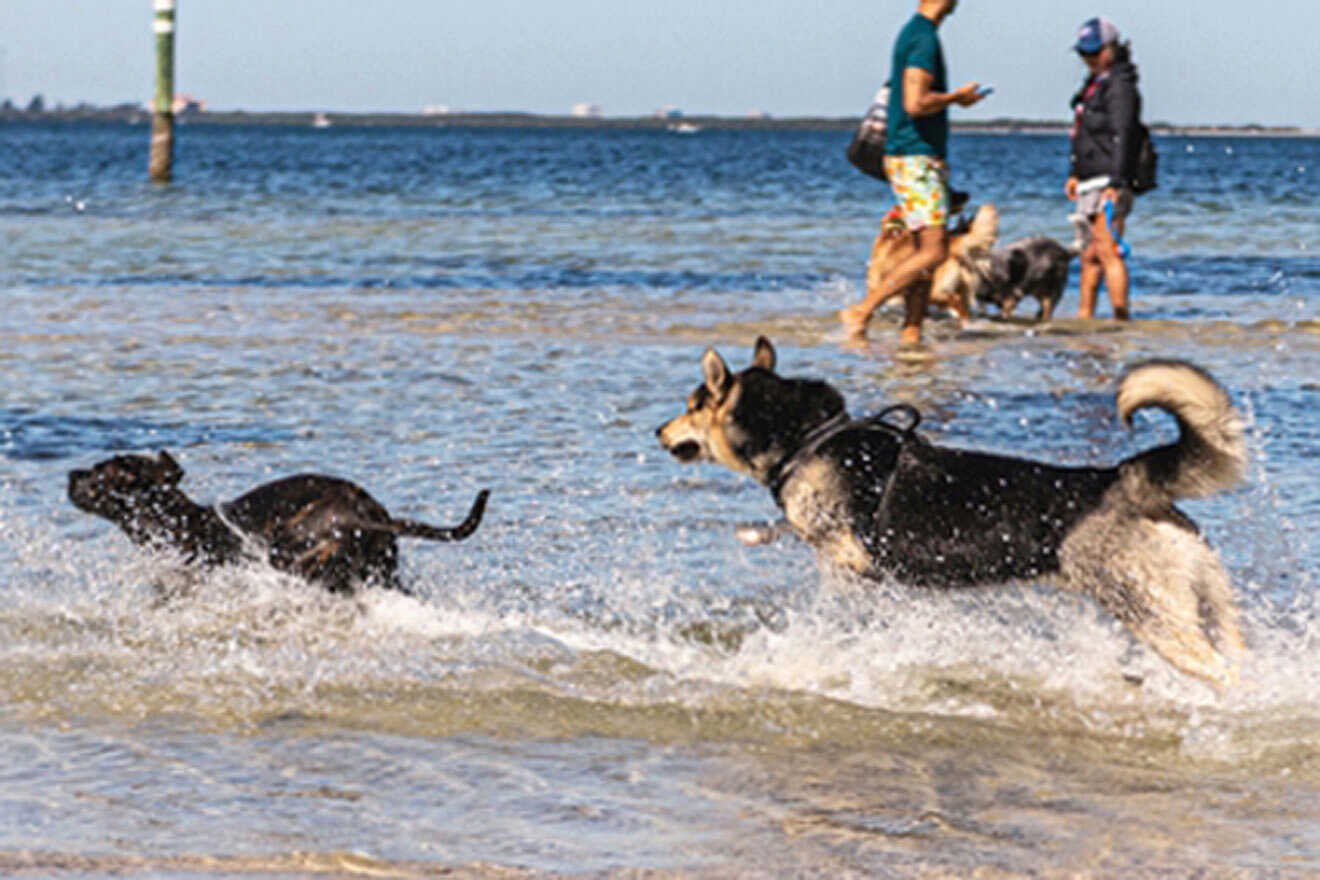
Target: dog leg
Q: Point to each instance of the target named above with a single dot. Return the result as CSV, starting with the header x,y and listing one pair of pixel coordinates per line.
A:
x,y
1165,584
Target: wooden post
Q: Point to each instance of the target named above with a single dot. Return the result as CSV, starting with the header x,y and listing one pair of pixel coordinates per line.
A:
x,y
161,164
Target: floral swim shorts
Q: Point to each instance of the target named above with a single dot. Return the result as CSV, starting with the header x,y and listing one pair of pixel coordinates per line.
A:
x,y
921,184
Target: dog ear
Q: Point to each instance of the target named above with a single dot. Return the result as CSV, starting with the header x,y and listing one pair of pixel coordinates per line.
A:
x,y
764,354
717,373
171,471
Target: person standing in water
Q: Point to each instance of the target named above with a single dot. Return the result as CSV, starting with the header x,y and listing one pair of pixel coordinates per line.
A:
x,y
1104,143
916,163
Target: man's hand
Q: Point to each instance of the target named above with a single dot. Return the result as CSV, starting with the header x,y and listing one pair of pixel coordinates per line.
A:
x,y
1070,189
966,94
919,100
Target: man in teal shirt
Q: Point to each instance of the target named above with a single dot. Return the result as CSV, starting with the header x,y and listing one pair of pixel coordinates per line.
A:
x,y
915,162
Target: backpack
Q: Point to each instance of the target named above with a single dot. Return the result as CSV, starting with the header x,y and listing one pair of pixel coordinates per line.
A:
x,y
1143,172
867,150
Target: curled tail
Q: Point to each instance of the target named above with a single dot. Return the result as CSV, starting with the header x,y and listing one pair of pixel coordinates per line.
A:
x,y
1144,560
1210,453
412,529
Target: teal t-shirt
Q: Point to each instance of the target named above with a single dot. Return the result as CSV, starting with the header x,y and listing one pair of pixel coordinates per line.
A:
x,y
917,46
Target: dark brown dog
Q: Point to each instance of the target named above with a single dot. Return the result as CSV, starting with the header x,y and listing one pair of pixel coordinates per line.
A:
x,y
325,530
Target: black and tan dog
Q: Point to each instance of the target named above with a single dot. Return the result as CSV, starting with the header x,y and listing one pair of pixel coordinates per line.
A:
x,y
875,497
1035,267
325,530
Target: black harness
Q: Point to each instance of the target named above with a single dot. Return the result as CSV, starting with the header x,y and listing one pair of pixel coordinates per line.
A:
x,y
826,431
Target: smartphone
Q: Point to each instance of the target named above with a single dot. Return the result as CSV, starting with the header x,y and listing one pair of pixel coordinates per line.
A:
x,y
984,90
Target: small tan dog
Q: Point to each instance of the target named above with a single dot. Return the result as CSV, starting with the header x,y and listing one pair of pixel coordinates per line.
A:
x,y
953,283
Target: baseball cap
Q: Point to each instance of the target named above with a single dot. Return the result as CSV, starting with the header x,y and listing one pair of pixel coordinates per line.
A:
x,y
1094,34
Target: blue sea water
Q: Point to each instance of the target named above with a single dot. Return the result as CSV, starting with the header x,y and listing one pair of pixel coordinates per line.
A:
x,y
602,679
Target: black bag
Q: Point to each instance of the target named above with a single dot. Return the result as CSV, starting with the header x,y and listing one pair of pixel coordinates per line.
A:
x,y
1143,172
867,150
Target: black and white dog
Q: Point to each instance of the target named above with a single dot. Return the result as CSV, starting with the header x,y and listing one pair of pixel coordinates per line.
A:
x,y
875,497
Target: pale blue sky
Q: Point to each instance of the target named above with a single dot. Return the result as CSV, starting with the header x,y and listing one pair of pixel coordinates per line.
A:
x,y
1201,62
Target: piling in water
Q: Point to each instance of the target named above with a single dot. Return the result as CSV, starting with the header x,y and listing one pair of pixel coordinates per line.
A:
x,y
161,164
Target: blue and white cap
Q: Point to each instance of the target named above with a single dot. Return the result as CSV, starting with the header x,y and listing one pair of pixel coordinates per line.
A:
x,y
1095,34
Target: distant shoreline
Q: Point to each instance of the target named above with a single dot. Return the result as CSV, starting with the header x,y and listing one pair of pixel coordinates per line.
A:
x,y
137,116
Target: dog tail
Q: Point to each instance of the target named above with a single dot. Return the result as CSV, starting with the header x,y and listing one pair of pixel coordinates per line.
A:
x,y
412,529
1210,453
1143,560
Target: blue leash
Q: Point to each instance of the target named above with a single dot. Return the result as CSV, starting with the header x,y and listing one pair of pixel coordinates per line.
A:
x,y
1123,249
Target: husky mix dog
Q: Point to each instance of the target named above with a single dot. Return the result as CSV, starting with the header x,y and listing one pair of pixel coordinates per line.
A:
x,y
874,496
326,530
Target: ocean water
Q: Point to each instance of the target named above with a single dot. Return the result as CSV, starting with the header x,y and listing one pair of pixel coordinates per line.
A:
x,y
602,681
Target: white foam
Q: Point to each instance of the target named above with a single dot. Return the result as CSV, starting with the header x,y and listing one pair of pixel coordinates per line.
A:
x,y
1025,655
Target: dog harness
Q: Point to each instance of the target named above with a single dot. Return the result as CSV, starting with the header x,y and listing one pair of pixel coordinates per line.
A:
x,y
836,425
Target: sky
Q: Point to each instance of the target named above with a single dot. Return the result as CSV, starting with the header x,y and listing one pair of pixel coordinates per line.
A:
x,y
1206,62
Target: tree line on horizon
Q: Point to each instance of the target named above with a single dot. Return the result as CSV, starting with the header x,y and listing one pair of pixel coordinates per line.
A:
x,y
134,112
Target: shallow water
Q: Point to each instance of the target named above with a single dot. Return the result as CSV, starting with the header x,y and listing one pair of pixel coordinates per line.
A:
x,y
602,678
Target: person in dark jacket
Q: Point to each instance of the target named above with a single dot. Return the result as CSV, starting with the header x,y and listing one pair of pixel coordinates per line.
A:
x,y
1105,140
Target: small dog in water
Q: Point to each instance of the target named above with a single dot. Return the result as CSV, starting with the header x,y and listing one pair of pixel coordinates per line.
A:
x,y
1030,267
325,530
895,243
875,497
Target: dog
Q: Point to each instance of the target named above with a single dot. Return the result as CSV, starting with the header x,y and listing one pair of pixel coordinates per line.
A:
x,y
875,497
325,530
895,243
1036,267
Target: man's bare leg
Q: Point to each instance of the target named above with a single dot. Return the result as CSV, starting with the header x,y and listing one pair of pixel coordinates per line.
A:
x,y
932,249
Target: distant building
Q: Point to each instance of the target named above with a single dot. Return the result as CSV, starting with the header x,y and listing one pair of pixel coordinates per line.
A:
x,y
758,114
669,111
436,110
586,110
187,104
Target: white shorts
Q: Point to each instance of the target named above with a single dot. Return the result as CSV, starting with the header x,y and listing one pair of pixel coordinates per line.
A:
x,y
1090,199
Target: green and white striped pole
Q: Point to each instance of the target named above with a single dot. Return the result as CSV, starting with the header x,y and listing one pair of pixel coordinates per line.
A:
x,y
161,165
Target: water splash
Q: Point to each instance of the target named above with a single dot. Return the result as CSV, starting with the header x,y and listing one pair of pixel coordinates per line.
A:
x,y
242,645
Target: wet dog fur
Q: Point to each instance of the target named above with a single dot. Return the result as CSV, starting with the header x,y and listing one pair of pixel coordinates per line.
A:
x,y
875,497
325,530
1034,267
948,290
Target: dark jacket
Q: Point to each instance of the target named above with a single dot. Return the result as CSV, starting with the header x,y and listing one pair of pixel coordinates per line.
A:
x,y
1106,137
